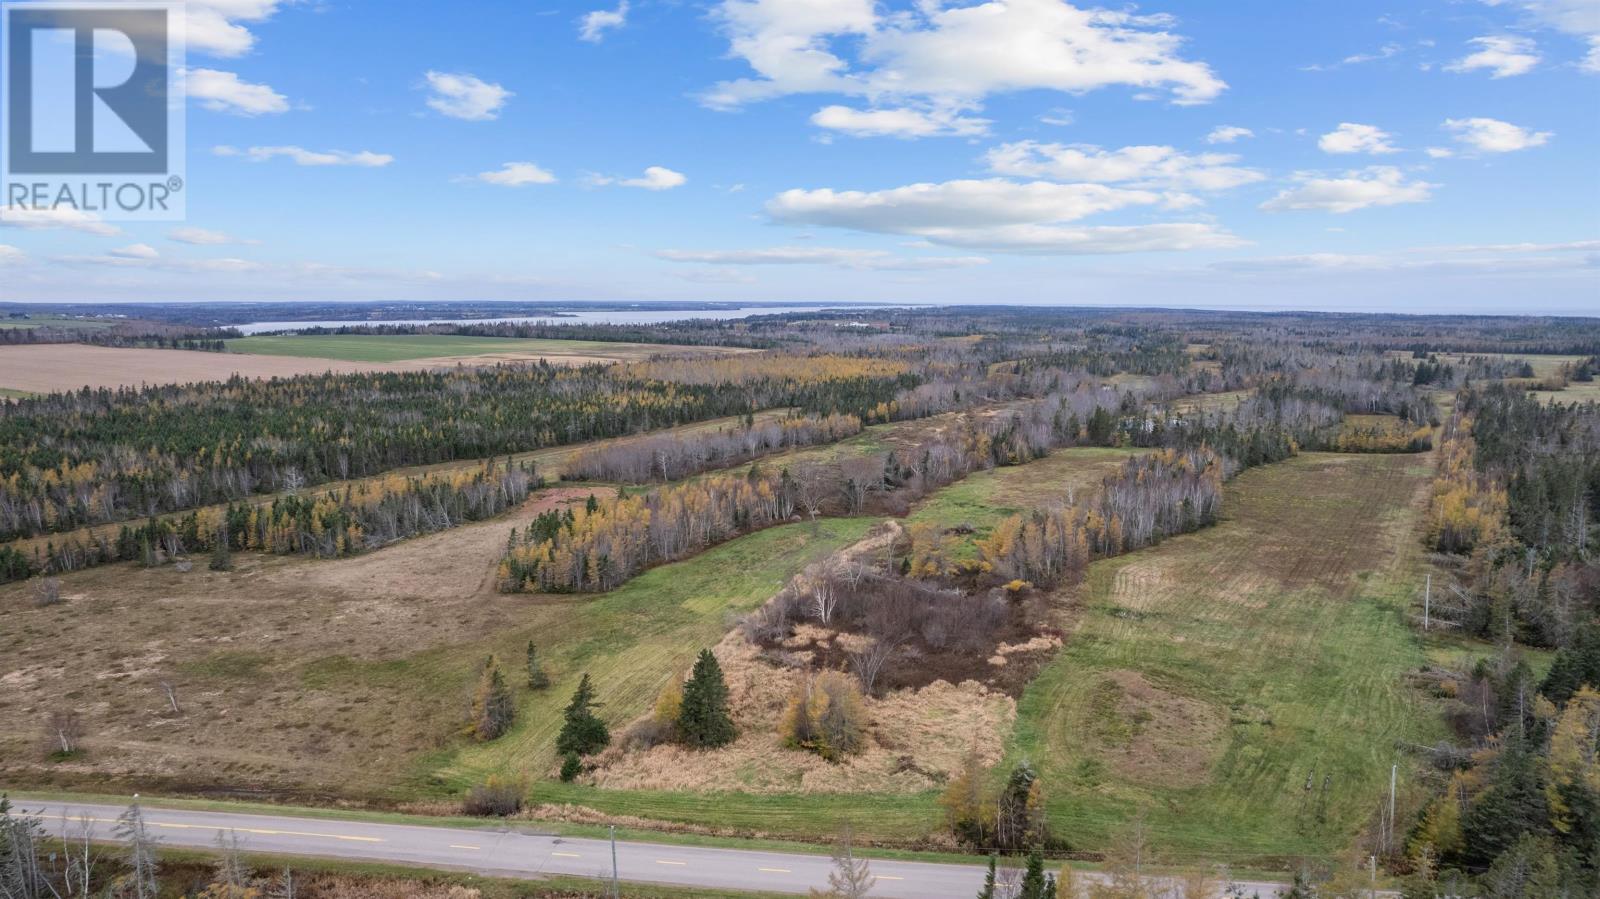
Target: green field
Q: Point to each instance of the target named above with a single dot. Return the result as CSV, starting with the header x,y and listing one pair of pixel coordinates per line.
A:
x,y
403,347
1209,679
55,321
1213,677
633,639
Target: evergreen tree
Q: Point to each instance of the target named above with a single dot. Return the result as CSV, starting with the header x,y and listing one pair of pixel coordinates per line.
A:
x,y
988,881
704,720
537,678
492,707
221,553
582,733
571,767
1513,805
1035,884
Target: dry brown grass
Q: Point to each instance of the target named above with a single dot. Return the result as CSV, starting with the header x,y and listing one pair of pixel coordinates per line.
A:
x,y
256,657
918,738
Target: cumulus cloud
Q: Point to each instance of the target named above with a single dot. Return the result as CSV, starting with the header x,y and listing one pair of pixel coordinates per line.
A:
x,y
218,27
947,60
1155,167
1350,137
224,92
1379,185
902,122
517,174
997,214
869,260
467,97
593,26
1579,18
1495,136
1227,134
59,217
654,178
1504,56
136,251
302,156
202,237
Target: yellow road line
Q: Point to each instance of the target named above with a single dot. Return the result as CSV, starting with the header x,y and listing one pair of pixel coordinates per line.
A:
x,y
566,855
173,825
776,870
662,861
888,877
461,846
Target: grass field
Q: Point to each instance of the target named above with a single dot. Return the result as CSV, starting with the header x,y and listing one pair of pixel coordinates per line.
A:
x,y
1212,678
633,639
407,347
984,499
55,321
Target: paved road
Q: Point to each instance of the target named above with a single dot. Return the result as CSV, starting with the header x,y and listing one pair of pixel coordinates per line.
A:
x,y
503,852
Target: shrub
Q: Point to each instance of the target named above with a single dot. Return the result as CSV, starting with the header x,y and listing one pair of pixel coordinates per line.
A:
x,y
571,767
496,796
47,592
826,716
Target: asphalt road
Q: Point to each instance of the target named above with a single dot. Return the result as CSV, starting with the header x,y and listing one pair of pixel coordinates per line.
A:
x,y
504,852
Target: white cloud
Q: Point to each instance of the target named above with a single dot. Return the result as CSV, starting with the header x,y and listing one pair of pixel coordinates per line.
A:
x,y
594,25
903,122
996,214
1379,185
302,156
871,260
224,92
202,237
1353,138
135,251
1160,167
1473,259
214,26
949,59
1227,134
517,174
467,97
10,255
1439,152
1504,56
59,217
1059,116
1579,18
654,178
1495,136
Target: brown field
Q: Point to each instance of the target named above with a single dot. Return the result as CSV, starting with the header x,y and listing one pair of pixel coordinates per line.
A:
x,y
256,657
48,368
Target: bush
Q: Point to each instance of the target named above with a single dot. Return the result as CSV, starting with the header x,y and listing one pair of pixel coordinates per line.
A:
x,y
826,716
571,767
494,797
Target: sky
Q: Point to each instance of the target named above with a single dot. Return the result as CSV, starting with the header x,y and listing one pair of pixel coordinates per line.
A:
x,y
1418,156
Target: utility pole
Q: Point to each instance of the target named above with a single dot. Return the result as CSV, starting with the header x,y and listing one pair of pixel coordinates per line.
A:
x,y
616,888
1394,771
1427,600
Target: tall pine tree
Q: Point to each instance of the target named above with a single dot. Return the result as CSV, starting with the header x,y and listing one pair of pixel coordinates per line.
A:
x,y
492,706
582,733
704,721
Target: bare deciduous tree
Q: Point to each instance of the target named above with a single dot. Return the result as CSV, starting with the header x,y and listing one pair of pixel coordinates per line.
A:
x,y
47,592
868,662
65,729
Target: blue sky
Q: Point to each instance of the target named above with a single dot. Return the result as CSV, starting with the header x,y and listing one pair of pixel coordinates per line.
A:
x,y
1419,156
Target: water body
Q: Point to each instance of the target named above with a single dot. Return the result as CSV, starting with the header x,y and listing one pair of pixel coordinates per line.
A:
x,y
573,317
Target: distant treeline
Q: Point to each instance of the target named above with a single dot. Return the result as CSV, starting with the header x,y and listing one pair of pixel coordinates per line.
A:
x,y
100,456
124,334
338,523
699,332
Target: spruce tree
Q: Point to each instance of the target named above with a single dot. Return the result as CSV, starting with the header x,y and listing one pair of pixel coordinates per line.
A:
x,y
988,881
221,552
704,720
1035,885
492,707
582,733
537,678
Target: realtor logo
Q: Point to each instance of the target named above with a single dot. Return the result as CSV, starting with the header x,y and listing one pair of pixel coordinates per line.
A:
x,y
92,113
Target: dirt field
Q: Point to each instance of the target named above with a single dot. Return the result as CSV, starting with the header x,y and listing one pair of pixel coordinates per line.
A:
x,y
258,659
46,368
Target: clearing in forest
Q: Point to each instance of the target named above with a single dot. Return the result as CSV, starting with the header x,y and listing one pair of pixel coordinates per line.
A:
x,y
1244,686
